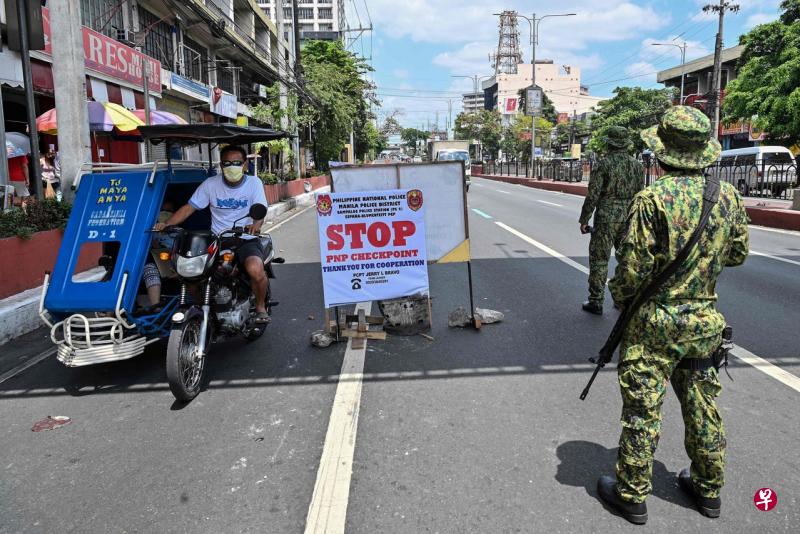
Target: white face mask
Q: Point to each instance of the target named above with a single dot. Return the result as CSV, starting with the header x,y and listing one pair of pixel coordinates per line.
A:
x,y
233,174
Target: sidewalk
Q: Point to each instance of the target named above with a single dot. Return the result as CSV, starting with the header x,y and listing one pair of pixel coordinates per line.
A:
x,y
19,314
773,213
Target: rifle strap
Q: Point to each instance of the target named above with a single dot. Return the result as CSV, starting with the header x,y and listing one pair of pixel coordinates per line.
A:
x,y
710,199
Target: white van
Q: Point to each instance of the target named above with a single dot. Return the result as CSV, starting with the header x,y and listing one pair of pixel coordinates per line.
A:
x,y
758,168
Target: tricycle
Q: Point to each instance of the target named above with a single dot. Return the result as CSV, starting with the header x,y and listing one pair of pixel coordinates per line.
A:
x,y
202,295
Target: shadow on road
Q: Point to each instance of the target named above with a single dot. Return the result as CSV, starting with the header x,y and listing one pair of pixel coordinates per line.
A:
x,y
544,332
582,463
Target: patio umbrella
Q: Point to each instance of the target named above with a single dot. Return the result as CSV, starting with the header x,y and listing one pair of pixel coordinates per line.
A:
x,y
158,118
103,117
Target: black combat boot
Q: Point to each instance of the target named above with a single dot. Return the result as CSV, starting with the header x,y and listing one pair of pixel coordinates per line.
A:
x,y
708,506
593,307
634,512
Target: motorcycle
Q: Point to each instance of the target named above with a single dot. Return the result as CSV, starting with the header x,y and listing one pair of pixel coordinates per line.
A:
x,y
224,303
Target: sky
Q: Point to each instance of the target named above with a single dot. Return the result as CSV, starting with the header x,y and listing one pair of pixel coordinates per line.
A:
x,y
417,46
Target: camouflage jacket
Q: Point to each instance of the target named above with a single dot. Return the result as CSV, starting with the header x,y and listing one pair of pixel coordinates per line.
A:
x,y
661,220
615,179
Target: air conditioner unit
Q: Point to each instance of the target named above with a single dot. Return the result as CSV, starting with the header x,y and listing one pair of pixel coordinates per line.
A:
x,y
217,28
126,37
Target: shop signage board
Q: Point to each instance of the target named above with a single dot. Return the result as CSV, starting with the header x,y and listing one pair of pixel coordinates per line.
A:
x,y
109,57
189,87
224,103
372,245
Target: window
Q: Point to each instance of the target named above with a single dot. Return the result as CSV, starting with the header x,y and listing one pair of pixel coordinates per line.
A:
x,y
287,13
268,12
325,13
324,1
104,16
195,60
727,161
305,13
157,38
777,158
225,76
306,27
746,159
326,27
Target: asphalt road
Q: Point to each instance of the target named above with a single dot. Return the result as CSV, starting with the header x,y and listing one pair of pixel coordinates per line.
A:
x,y
470,432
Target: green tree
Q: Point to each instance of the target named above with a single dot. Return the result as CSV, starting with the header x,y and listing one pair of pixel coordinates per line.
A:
x,y
335,79
412,137
517,136
767,89
576,130
484,125
632,107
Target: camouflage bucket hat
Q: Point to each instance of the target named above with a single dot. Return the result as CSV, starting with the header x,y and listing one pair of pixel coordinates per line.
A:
x,y
682,139
617,137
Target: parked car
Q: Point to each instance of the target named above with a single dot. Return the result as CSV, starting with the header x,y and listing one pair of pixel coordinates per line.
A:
x,y
755,169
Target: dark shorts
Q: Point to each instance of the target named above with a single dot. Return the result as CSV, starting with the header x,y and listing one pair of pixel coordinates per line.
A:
x,y
252,247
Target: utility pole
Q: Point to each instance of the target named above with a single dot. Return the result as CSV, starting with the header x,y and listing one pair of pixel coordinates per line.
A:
x,y
716,84
34,171
534,36
682,48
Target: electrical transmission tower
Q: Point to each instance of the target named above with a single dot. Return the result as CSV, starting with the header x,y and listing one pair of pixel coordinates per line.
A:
x,y
508,54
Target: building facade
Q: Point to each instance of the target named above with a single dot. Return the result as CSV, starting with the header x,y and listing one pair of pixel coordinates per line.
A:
x,y
561,84
698,86
317,19
472,102
206,61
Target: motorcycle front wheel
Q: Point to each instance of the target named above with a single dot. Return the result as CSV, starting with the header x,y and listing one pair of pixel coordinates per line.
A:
x,y
185,366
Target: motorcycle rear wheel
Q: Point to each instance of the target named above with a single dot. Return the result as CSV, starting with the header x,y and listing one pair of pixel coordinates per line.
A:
x,y
185,367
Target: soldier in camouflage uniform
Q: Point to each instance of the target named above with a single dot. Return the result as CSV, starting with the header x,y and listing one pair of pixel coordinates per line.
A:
x,y
680,322
615,179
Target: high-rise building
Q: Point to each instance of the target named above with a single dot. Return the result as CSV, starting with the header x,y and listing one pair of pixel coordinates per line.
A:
x,y
472,102
318,19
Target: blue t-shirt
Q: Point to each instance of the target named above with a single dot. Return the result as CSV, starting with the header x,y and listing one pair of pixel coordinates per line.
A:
x,y
228,204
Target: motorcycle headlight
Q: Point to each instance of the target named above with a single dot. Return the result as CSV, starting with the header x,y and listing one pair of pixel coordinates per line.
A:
x,y
191,267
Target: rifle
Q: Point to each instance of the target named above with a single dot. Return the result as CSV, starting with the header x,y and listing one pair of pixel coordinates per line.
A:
x,y
710,198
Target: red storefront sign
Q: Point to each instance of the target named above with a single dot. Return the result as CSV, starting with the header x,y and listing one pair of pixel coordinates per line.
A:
x,y
112,58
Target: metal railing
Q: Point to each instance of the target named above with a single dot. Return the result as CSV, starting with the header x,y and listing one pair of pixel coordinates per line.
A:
x,y
556,170
764,181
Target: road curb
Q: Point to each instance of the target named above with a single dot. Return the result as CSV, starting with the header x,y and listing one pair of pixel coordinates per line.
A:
x,y
769,217
19,314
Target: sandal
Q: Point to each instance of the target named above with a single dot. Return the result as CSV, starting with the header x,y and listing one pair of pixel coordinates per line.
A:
x,y
262,318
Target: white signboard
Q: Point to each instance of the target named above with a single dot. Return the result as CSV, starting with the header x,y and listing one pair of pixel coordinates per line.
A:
x,y
442,186
372,245
533,100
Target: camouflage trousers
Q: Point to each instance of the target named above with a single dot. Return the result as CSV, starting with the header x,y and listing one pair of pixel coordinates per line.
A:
x,y
643,376
605,236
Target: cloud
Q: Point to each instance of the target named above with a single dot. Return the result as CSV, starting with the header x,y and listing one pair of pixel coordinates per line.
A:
x,y
759,18
642,72
400,74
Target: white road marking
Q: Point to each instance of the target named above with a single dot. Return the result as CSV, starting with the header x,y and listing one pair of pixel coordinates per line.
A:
x,y
482,213
775,230
26,365
328,508
275,227
776,258
785,377
544,248
476,184
549,203
501,191
746,356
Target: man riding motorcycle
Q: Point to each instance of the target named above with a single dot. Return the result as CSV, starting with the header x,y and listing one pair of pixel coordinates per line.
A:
x,y
230,196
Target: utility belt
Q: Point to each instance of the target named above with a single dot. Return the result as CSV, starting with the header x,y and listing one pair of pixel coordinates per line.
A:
x,y
717,360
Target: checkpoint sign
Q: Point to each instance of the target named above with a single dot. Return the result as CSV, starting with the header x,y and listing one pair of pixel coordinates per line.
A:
x,y
372,245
